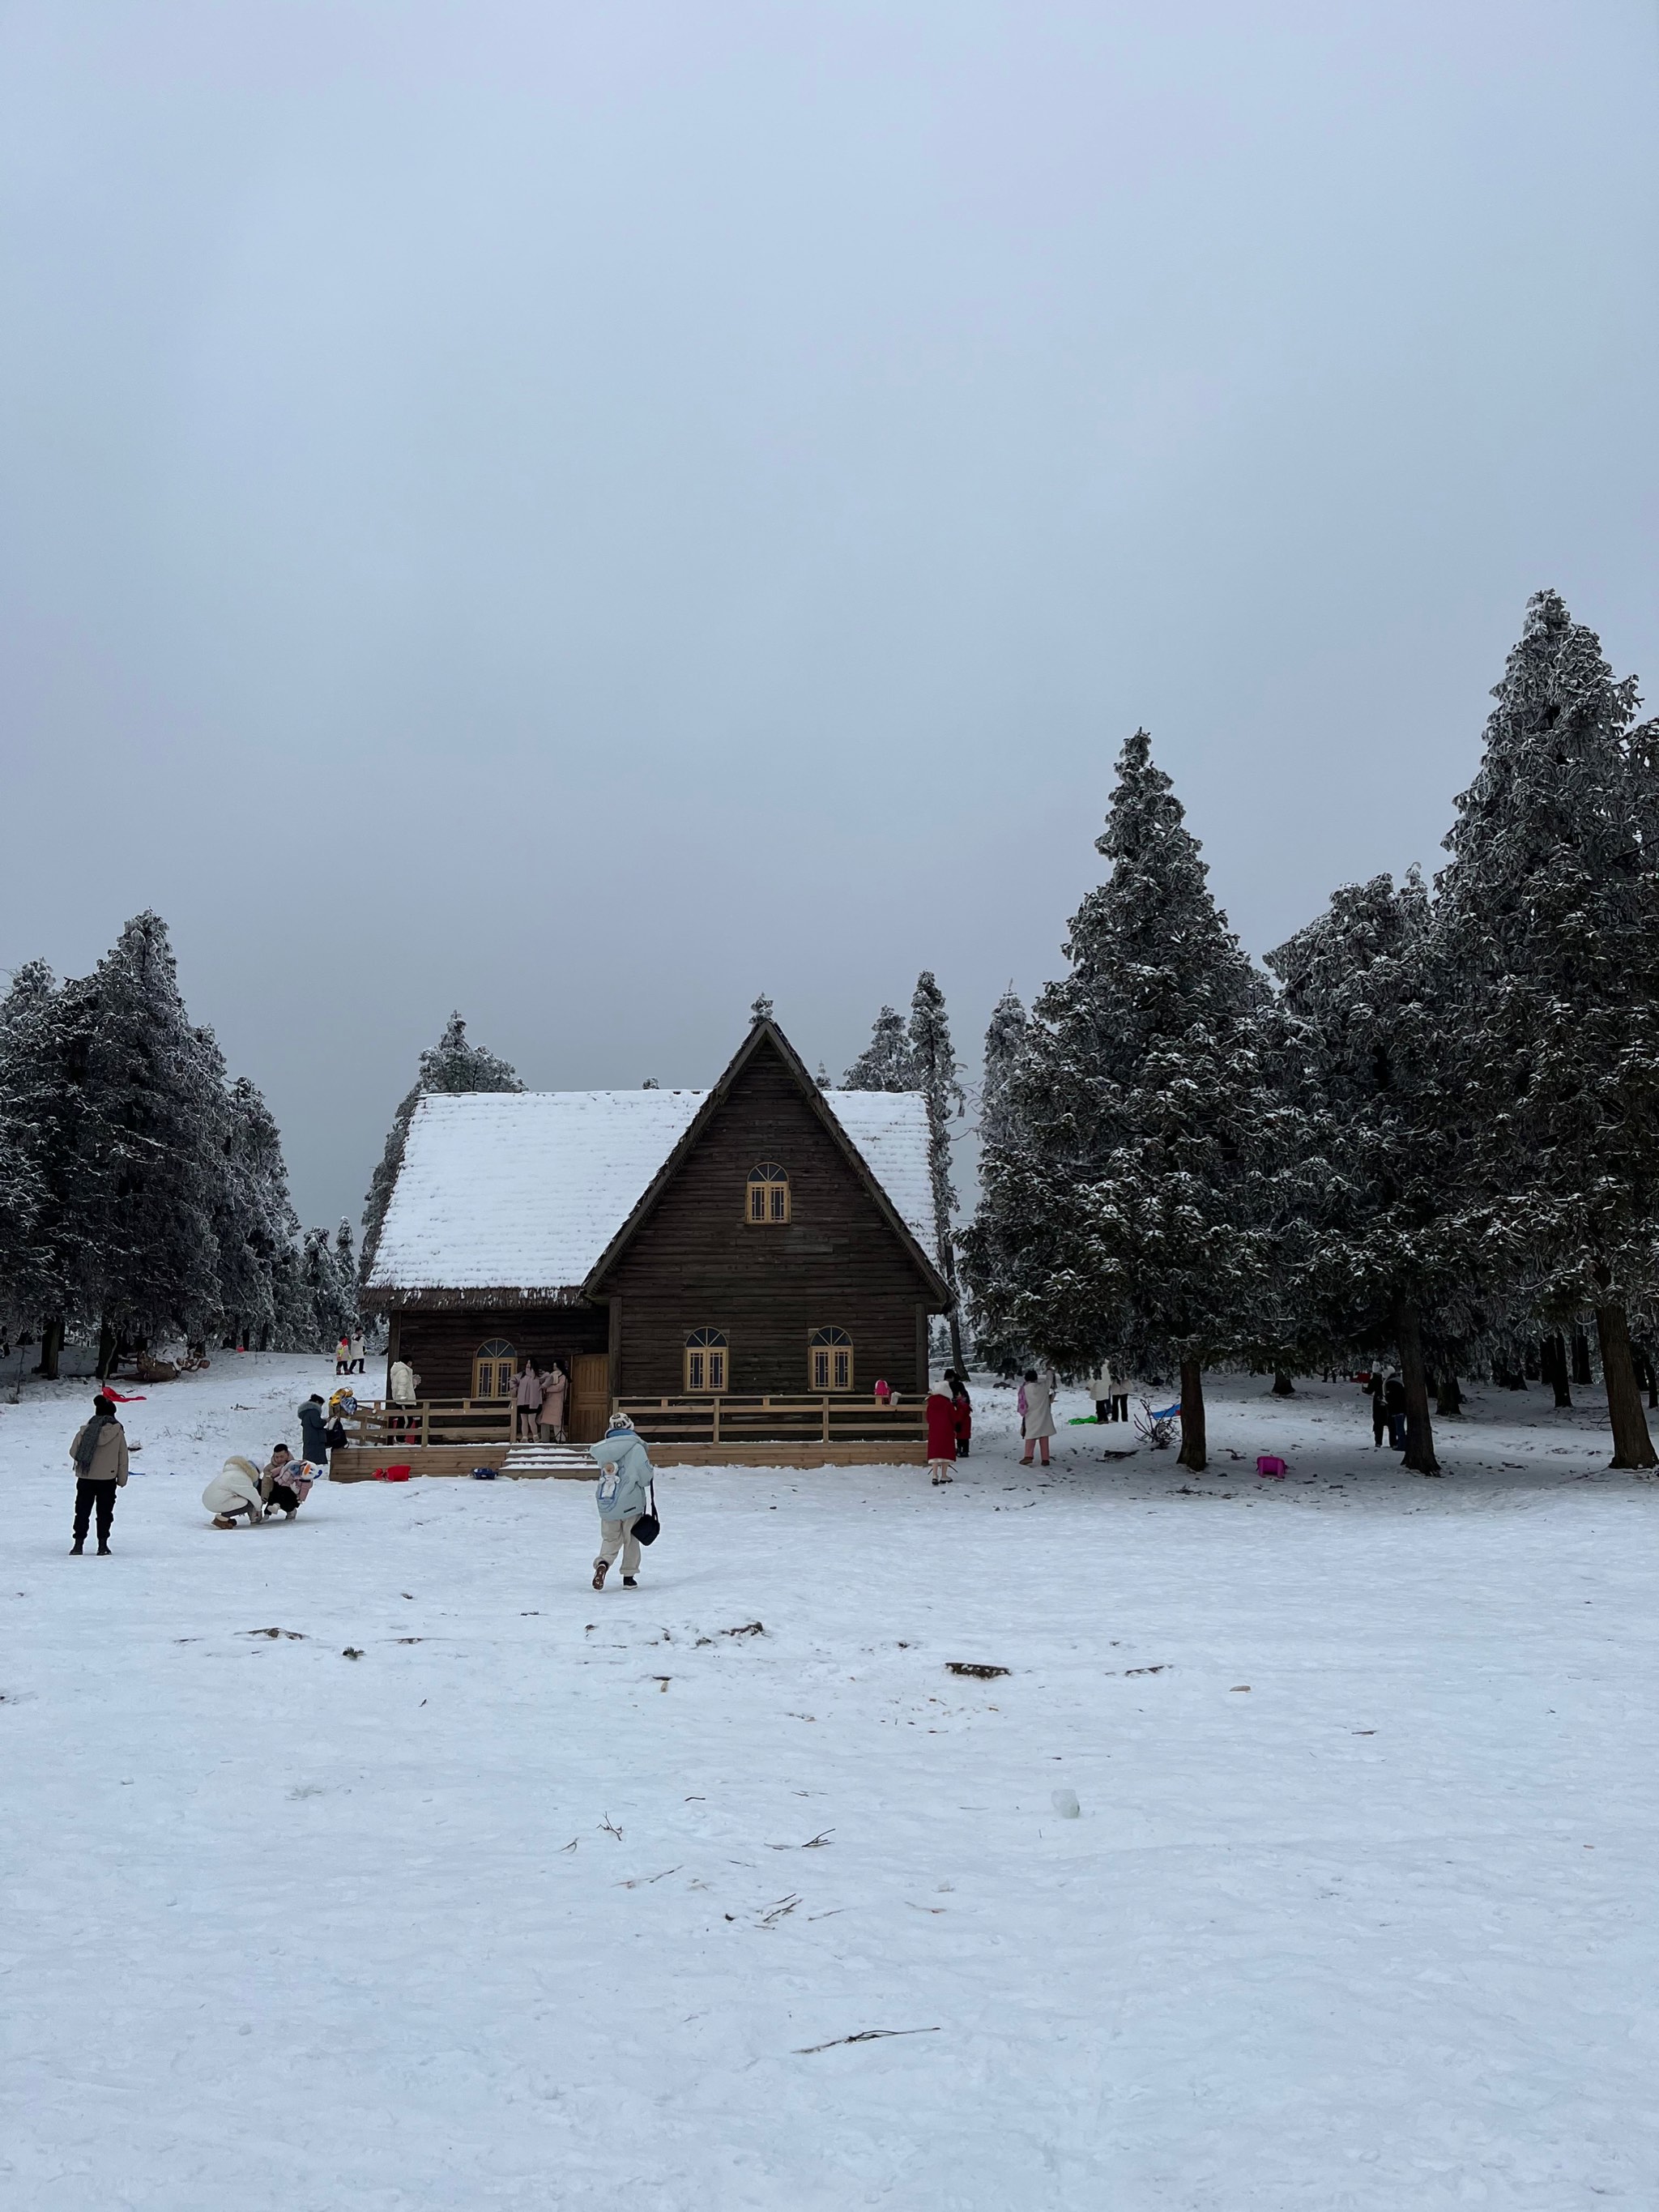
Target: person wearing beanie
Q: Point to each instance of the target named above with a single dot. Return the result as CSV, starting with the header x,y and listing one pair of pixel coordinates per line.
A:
x,y
625,1477
99,1456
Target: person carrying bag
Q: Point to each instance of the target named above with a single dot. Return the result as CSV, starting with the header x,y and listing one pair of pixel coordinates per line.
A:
x,y
626,1498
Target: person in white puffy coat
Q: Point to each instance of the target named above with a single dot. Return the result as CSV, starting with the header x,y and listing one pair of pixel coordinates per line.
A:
x,y
235,1490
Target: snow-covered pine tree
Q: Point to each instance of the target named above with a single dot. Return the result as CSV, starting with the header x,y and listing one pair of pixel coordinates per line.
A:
x,y
254,1222
1005,1040
1132,1217
345,1271
150,1143
885,1062
933,1066
1548,920
331,1318
27,1123
1362,1045
450,1067
760,1009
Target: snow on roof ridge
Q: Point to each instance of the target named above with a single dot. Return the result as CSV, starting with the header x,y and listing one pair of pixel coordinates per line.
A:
x,y
527,1187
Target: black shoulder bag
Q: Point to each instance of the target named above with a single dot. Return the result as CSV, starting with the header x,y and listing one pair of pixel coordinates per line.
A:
x,y
648,1528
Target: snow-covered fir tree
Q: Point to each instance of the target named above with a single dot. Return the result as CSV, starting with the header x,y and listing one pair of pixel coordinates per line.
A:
x,y
331,1308
1361,1029
885,1063
449,1068
1005,1040
1132,1218
345,1269
149,1140
1547,924
254,1222
29,1121
934,1071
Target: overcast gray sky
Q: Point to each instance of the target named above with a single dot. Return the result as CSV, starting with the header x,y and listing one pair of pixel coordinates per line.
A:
x,y
586,512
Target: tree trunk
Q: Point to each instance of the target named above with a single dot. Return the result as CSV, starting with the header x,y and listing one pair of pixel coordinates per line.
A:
x,y
106,1349
1556,1373
955,1345
1419,1430
1283,1386
1581,1360
1193,1456
51,1346
1631,1444
1448,1397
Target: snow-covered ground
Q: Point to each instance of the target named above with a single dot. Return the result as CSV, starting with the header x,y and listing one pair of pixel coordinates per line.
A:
x,y
559,1899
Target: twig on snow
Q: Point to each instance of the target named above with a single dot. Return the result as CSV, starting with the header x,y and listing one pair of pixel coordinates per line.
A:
x,y
864,2035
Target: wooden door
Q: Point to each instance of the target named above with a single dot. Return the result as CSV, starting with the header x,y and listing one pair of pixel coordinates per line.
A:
x,y
589,1397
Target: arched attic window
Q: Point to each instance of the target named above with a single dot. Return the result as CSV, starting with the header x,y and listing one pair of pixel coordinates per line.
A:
x,y
768,1194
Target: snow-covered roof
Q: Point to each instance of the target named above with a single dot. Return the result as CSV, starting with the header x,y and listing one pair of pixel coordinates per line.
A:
x,y
522,1191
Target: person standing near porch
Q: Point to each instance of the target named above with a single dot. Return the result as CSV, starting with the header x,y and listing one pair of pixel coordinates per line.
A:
x,y
99,1456
528,1397
555,1383
941,1435
403,1388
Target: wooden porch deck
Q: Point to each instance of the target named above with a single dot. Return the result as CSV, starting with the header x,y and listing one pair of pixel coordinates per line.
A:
x,y
454,1437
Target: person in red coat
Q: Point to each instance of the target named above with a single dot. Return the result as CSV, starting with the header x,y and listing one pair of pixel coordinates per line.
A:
x,y
941,1435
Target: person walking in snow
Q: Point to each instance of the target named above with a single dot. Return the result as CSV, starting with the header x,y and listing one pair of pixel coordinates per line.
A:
x,y
1379,1417
625,1479
342,1356
235,1490
358,1346
555,1391
1036,1415
99,1456
528,1395
941,1434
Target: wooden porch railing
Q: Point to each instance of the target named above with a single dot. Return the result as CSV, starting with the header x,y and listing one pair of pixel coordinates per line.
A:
x,y
729,1420
380,1427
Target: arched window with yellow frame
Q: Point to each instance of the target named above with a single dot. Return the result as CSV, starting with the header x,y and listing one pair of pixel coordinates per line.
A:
x,y
706,1355
768,1194
493,1365
830,1359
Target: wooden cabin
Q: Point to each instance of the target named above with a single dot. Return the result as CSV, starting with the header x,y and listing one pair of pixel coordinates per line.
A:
x,y
736,1267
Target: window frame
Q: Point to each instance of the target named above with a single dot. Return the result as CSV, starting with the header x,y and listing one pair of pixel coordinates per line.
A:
x,y
706,1354
493,1355
769,1184
834,1349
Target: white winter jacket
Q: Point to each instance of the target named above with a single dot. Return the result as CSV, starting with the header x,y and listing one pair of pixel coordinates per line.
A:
x,y
1039,1409
236,1485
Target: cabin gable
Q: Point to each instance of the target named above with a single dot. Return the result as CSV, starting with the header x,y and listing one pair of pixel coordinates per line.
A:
x,y
822,1254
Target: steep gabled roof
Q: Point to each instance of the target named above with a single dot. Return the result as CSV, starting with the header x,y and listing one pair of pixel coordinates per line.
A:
x,y
907,1115
509,1198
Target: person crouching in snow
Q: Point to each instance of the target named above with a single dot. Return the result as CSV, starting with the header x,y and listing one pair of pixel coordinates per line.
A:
x,y
235,1490
941,1434
624,1488
286,1482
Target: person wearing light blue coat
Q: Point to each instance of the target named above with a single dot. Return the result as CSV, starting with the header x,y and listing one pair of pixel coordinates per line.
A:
x,y
625,1477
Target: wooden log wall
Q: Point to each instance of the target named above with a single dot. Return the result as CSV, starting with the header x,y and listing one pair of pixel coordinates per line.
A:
x,y
698,1263
442,1346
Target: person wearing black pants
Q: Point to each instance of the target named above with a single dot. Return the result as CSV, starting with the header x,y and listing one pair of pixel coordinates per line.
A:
x,y
99,1456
